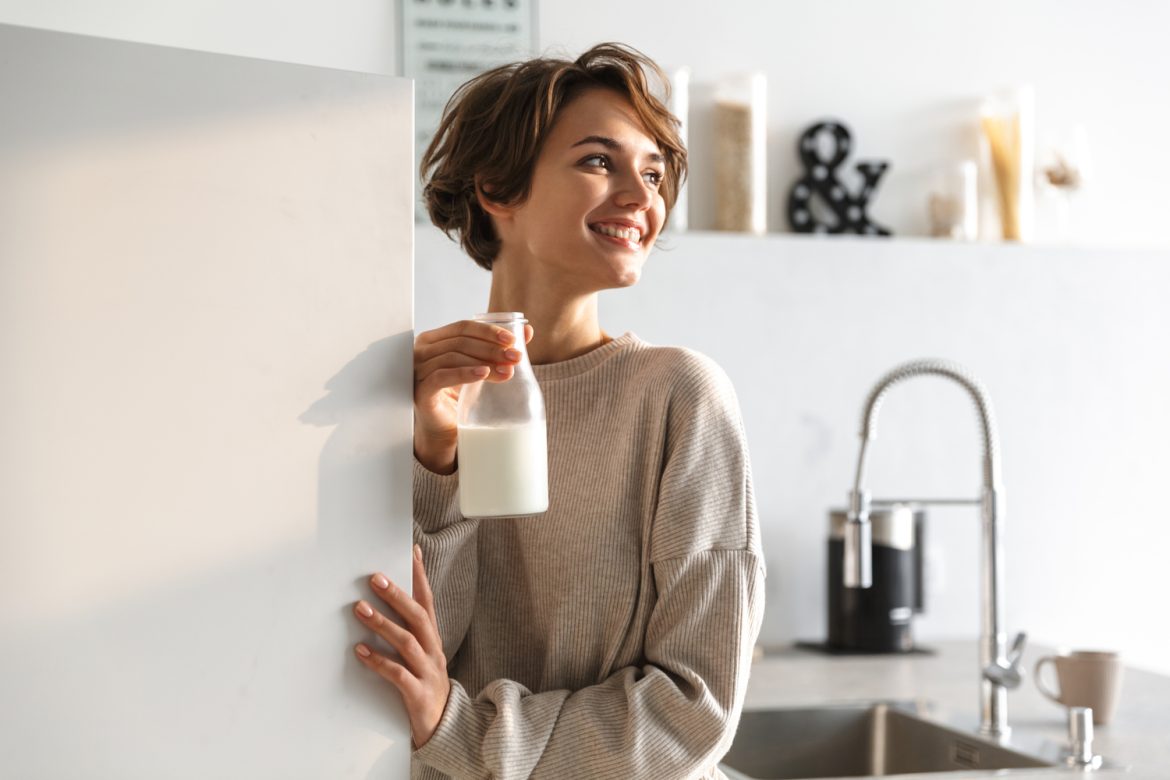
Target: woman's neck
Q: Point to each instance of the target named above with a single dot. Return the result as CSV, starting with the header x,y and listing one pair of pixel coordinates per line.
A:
x,y
564,325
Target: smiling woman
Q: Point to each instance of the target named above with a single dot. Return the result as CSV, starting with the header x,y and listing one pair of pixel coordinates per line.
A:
x,y
491,135
612,635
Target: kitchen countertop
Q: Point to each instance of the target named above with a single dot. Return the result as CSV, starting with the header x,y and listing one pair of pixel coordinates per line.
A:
x,y
1138,737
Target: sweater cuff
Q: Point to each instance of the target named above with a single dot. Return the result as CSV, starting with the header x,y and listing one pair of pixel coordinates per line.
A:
x,y
436,498
453,748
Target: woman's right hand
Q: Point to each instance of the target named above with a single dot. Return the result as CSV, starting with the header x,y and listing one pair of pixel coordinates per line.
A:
x,y
445,359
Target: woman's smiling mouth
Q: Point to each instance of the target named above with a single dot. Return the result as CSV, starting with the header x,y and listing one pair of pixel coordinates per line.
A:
x,y
628,237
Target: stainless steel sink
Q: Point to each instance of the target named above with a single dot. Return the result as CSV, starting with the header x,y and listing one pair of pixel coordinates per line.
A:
x,y
859,740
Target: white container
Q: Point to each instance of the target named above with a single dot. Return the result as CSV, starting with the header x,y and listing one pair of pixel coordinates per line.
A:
x,y
678,102
503,439
953,205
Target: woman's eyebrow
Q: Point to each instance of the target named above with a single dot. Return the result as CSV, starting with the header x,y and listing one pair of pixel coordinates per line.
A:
x,y
611,143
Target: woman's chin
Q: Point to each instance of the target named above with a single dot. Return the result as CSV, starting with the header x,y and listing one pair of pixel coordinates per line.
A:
x,y
629,278
609,271
617,275
625,271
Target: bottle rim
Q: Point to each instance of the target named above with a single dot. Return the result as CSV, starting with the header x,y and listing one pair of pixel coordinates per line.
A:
x,y
501,316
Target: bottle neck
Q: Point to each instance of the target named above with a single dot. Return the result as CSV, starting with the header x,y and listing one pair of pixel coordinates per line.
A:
x,y
524,367
513,321
517,328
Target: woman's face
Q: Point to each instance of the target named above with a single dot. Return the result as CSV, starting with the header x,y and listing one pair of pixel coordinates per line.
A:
x,y
595,208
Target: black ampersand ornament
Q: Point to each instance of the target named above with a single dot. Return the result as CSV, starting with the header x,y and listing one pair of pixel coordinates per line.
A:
x,y
820,180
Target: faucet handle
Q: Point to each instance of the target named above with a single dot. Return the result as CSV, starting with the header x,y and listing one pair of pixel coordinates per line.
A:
x,y
1009,675
1015,655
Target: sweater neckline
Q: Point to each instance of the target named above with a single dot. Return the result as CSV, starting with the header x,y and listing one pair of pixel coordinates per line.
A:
x,y
582,363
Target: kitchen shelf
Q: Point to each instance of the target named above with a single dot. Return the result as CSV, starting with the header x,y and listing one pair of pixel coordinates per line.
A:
x,y
852,241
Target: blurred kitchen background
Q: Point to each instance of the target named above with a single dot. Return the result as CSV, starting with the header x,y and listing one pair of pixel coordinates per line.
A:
x,y
1068,330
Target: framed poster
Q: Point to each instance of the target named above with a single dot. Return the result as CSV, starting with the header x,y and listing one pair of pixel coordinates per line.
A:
x,y
444,43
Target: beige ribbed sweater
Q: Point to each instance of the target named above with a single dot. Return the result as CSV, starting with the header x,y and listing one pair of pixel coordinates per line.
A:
x,y
611,636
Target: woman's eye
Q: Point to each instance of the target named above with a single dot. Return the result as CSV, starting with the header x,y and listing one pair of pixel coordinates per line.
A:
x,y
601,161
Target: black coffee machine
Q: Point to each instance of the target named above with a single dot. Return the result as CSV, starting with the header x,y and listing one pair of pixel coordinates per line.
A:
x,y
878,619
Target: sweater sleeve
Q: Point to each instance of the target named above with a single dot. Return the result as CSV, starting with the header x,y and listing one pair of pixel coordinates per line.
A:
x,y
448,542
674,715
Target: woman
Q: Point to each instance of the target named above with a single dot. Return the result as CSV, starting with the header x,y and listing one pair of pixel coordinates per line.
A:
x,y
612,636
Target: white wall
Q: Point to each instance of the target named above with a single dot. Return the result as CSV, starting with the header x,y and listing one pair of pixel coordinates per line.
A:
x,y
205,328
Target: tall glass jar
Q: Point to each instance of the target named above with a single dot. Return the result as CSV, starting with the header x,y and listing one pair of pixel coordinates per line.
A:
x,y
741,127
503,438
1009,147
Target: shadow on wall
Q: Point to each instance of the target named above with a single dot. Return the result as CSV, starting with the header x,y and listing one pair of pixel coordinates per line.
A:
x,y
363,473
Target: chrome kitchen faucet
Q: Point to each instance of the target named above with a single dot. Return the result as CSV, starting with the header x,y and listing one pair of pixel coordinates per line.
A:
x,y
1000,667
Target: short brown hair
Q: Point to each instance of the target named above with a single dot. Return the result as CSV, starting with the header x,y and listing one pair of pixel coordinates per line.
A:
x,y
494,125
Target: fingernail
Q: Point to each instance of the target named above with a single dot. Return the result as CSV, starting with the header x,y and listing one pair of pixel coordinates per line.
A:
x,y
501,369
505,336
418,552
381,582
363,651
364,608
511,354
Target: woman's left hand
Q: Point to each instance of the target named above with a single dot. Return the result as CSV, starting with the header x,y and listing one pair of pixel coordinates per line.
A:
x,y
423,680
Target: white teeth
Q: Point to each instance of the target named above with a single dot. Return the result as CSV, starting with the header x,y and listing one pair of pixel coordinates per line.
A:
x,y
628,234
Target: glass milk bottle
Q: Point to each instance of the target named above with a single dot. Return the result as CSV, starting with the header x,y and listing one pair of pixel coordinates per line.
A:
x,y
503,444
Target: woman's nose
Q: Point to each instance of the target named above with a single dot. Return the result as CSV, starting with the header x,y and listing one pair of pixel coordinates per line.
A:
x,y
635,191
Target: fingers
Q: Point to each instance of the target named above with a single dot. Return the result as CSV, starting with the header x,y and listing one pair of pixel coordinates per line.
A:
x,y
492,334
476,349
492,357
422,630
453,377
453,361
388,670
438,378
474,339
420,647
449,356
402,640
421,677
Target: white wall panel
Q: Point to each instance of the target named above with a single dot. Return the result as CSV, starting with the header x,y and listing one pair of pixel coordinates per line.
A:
x,y
205,333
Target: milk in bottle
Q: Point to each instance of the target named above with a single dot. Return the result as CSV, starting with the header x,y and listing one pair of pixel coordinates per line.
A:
x,y
502,446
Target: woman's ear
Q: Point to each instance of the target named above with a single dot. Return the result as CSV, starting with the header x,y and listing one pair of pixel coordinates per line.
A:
x,y
489,206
